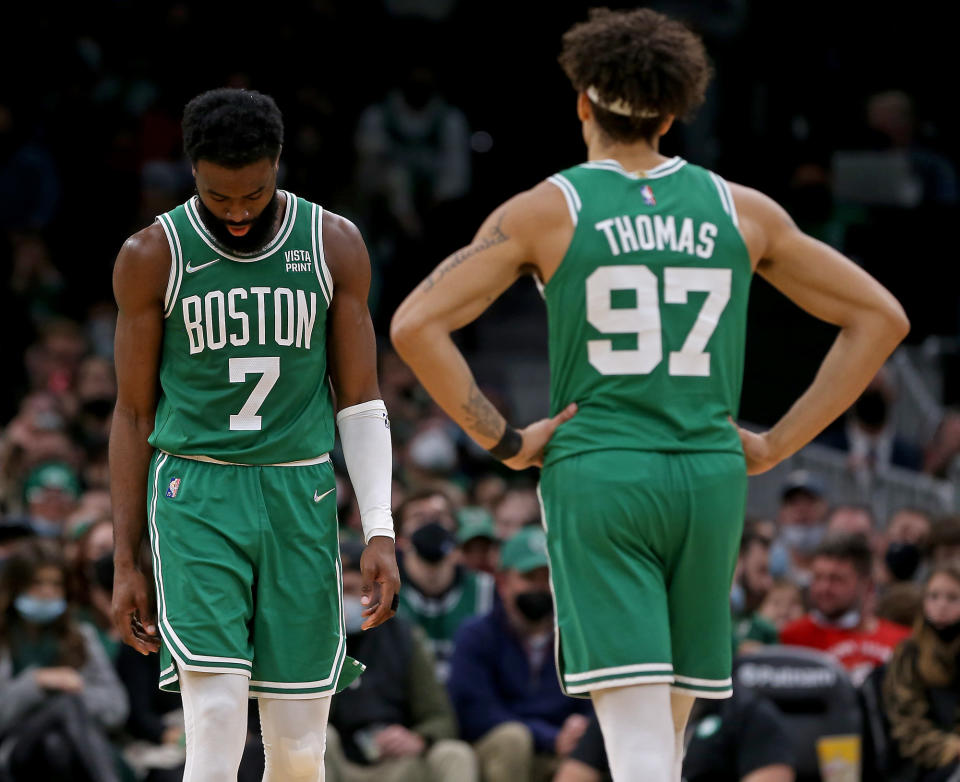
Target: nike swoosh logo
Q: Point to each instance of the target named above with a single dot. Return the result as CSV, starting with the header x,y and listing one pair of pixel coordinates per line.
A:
x,y
318,498
192,269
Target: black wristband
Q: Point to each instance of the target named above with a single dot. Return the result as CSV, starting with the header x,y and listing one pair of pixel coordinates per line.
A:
x,y
509,445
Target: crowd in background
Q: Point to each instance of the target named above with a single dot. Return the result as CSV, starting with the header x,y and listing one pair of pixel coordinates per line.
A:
x,y
462,685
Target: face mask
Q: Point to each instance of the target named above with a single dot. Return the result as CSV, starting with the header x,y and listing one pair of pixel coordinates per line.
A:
x,y
947,633
535,604
38,610
433,542
802,538
738,598
779,560
871,408
103,571
433,450
903,559
46,529
353,616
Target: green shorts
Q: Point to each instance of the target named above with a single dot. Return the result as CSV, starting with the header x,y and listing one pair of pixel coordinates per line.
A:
x,y
247,570
642,550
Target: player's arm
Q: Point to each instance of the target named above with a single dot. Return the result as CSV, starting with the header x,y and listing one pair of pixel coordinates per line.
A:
x,y
832,288
455,294
140,277
361,414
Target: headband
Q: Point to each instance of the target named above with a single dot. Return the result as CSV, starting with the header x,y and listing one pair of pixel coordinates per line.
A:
x,y
620,107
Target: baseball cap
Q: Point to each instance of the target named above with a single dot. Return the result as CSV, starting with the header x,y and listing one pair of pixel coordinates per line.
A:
x,y
475,522
52,475
803,480
525,551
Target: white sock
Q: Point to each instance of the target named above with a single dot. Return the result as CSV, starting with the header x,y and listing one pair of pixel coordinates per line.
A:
x,y
215,717
637,731
680,706
294,738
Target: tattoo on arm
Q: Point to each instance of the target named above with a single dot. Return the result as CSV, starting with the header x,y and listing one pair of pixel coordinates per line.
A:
x,y
486,419
494,236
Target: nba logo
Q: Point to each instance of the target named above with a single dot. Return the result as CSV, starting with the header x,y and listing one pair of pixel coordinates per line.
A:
x,y
647,193
173,488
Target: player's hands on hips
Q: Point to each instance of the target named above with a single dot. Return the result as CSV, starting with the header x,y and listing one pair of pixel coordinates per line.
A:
x,y
756,450
133,613
535,438
381,581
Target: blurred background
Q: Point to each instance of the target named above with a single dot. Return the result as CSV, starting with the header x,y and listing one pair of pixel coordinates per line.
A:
x,y
416,118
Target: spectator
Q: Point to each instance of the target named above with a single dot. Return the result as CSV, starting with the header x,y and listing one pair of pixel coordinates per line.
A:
x,y
93,583
503,677
29,185
751,583
848,519
921,689
51,491
439,593
841,621
945,541
941,451
517,508
783,604
908,533
479,547
740,739
869,435
802,521
58,691
396,723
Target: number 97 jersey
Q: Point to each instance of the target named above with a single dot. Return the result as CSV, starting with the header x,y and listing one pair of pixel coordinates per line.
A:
x,y
243,369
647,311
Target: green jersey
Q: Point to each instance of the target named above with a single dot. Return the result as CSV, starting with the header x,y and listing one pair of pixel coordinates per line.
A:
x,y
647,311
243,368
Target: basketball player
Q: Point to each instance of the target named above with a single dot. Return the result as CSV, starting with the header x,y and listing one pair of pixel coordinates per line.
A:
x,y
238,311
646,264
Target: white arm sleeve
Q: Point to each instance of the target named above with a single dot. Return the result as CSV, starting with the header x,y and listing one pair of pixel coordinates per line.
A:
x,y
365,436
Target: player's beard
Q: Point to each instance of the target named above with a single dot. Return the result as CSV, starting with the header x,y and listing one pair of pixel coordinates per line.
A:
x,y
261,231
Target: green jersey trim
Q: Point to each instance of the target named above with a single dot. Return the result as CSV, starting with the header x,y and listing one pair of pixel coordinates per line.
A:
x,y
176,264
323,273
286,227
726,198
570,195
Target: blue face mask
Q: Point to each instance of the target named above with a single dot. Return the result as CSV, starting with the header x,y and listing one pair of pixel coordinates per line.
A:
x,y
738,598
353,616
39,610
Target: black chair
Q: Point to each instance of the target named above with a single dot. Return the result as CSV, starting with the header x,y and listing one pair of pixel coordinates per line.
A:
x,y
813,692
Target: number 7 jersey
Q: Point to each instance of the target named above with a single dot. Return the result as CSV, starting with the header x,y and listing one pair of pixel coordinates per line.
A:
x,y
243,368
647,311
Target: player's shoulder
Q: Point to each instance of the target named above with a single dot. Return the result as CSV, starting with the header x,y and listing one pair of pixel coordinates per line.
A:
x,y
344,250
144,260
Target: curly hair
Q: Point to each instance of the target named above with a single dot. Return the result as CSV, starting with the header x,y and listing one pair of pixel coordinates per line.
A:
x,y
651,62
232,127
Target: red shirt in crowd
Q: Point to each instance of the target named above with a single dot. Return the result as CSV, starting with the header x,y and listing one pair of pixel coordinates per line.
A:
x,y
857,649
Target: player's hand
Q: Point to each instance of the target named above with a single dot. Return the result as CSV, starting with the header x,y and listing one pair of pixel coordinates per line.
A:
x,y
573,728
396,741
535,438
381,581
756,450
133,612
62,679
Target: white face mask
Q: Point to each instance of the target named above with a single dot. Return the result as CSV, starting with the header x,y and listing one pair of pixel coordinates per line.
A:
x,y
353,616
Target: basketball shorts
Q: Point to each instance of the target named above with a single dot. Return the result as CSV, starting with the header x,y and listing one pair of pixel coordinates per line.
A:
x,y
248,578
642,549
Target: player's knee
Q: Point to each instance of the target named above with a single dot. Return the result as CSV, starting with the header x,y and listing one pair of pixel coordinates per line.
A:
x,y
300,758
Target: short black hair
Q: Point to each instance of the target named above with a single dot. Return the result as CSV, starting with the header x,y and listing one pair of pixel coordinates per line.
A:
x,y
642,57
854,549
232,127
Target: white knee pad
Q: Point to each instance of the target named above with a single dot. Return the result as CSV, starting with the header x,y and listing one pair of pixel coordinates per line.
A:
x,y
215,718
294,738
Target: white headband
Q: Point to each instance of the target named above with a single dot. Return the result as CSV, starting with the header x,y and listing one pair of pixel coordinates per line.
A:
x,y
620,107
